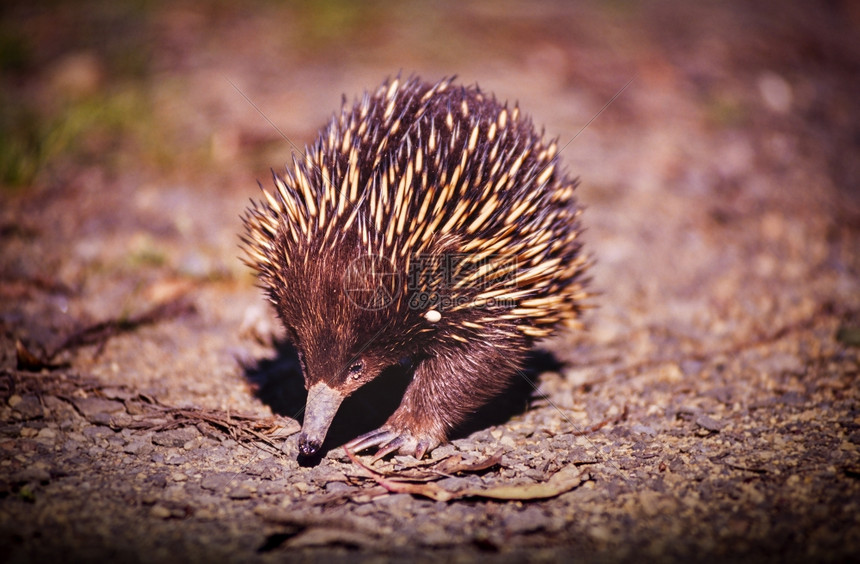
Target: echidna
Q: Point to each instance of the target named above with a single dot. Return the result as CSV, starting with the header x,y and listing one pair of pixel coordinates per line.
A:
x,y
428,226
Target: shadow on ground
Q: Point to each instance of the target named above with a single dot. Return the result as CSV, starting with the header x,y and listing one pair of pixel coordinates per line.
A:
x,y
278,383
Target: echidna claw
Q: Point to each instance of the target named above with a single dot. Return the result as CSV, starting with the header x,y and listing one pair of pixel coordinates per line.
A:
x,y
377,438
387,441
388,448
421,449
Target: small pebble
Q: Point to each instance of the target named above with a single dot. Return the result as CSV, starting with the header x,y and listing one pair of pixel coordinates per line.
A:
x,y
643,429
243,491
160,512
94,406
710,423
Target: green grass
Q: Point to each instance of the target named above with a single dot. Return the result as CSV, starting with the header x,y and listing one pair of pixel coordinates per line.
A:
x,y
33,140
42,126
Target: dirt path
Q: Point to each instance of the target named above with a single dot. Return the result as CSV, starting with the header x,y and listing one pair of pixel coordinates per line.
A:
x,y
710,411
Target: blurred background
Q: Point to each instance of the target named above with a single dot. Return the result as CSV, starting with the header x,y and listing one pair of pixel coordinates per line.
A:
x,y
131,133
717,145
171,87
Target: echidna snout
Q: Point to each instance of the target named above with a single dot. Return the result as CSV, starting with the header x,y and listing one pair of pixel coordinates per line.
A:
x,y
322,405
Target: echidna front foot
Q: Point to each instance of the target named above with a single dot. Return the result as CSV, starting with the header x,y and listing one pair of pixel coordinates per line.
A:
x,y
388,440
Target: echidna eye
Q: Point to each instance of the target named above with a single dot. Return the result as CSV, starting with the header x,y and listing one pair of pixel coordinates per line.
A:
x,y
356,368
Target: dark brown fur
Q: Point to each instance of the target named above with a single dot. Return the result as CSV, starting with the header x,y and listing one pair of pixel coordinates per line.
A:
x,y
360,245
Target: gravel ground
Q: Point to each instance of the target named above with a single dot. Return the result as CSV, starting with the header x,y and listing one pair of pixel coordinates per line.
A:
x,y
710,411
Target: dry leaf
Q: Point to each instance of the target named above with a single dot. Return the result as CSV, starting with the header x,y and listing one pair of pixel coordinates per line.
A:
x,y
27,360
562,481
447,466
329,537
